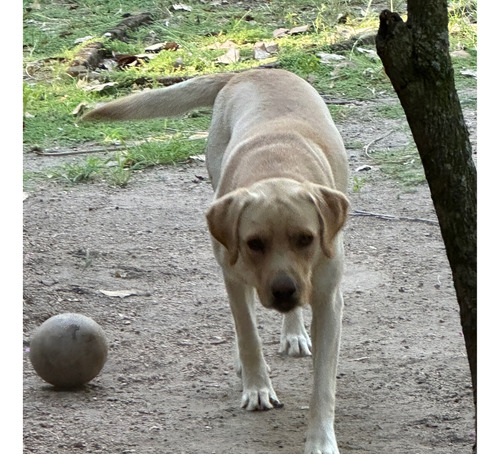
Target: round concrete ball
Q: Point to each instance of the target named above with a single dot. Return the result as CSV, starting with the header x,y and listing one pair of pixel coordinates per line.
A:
x,y
68,350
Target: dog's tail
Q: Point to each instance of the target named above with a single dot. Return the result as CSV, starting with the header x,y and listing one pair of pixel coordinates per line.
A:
x,y
171,101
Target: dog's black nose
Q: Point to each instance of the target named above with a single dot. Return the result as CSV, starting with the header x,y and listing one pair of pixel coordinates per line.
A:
x,y
283,287
284,291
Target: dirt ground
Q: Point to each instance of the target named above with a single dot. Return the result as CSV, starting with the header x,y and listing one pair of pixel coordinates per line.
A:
x,y
169,384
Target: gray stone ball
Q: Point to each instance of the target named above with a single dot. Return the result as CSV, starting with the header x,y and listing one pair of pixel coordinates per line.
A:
x,y
68,350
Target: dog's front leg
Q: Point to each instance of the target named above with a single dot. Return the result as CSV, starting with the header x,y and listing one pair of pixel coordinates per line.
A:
x,y
258,392
325,330
294,338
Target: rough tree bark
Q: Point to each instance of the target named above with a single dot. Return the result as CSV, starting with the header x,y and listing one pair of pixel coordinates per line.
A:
x,y
415,55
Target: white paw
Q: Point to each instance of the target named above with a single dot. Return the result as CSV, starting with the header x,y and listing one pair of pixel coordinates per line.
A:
x,y
263,398
321,442
295,345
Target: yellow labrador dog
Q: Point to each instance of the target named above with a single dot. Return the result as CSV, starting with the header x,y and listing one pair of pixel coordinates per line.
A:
x,y
279,171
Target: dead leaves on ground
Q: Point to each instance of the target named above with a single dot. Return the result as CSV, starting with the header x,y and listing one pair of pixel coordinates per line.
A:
x,y
93,56
261,50
124,293
282,32
93,60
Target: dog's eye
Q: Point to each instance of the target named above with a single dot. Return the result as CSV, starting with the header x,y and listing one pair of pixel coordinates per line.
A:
x,y
304,240
256,245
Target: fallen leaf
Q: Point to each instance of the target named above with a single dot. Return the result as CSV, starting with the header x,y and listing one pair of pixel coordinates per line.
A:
x,y
155,47
469,73
82,40
369,52
80,109
182,7
225,45
128,59
328,59
280,32
231,56
99,87
271,47
162,46
298,30
197,158
124,293
262,50
171,46
199,135
460,54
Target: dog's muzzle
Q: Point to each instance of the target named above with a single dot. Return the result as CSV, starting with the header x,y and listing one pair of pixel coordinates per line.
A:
x,y
284,293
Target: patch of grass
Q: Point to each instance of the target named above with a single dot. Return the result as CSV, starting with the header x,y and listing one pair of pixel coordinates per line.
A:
x,y
51,27
462,25
358,183
358,77
155,153
117,169
50,94
340,113
402,165
77,173
462,68
393,111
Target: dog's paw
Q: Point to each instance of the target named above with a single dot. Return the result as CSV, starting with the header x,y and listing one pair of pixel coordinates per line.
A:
x,y
319,441
260,399
295,345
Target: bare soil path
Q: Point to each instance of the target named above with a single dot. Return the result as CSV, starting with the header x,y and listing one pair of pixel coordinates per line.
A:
x,y
169,385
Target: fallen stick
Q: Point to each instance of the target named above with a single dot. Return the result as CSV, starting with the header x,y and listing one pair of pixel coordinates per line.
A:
x,y
366,147
340,102
120,30
390,217
41,152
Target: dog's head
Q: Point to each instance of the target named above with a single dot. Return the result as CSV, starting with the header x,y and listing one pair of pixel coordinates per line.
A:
x,y
275,232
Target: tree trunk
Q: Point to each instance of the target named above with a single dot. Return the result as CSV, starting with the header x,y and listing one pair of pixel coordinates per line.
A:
x,y
415,55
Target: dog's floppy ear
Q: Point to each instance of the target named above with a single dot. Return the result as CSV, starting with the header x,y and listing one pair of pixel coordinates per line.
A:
x,y
332,207
223,219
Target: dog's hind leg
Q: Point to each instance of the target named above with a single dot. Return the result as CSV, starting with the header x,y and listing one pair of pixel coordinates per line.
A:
x,y
294,338
258,392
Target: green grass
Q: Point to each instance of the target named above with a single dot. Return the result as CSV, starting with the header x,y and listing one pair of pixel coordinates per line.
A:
x,y
117,168
402,165
50,94
391,111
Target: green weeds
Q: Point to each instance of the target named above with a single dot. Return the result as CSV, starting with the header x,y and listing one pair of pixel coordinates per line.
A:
x,y
403,165
50,95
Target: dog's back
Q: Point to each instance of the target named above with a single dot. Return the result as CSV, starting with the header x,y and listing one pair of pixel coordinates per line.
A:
x,y
274,105
272,121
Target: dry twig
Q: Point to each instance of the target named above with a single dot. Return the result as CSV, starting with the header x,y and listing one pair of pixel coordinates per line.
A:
x,y
366,147
390,217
